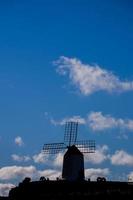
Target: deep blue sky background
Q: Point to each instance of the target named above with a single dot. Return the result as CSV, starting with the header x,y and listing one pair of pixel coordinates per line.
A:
x,y
33,34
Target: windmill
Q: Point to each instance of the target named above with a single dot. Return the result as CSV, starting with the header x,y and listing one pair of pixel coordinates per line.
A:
x,y
73,161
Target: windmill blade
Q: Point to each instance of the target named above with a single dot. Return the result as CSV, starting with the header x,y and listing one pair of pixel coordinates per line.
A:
x,y
86,146
53,148
71,129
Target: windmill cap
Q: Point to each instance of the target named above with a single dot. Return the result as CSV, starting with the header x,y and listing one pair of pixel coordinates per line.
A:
x,y
73,150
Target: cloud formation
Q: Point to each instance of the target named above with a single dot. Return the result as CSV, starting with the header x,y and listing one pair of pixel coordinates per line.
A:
x,y
93,173
50,173
51,160
100,155
58,160
76,118
40,158
130,177
14,172
10,173
18,158
99,122
4,188
121,157
18,141
91,78
18,173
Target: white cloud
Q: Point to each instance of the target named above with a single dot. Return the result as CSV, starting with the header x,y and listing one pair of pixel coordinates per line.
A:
x,y
18,141
129,124
130,177
78,119
19,173
58,160
51,160
18,158
122,158
93,173
91,78
99,122
40,158
13,172
100,155
4,188
50,173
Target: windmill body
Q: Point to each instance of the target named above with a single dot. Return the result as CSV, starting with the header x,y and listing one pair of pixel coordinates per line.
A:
x,y
73,161
73,164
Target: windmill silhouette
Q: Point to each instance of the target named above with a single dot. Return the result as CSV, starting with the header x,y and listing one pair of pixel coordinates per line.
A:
x,y
73,161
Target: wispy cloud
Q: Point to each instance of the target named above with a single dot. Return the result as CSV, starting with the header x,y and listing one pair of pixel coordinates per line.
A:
x,y
91,78
121,157
19,158
18,141
97,122
51,160
61,122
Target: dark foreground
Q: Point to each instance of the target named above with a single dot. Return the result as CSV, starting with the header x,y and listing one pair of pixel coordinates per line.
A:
x,y
65,190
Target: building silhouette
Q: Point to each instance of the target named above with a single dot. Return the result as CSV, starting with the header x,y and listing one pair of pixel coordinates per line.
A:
x,y
72,185
73,165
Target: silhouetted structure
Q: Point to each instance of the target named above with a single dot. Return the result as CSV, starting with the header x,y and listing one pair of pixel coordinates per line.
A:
x,y
73,162
72,190
72,186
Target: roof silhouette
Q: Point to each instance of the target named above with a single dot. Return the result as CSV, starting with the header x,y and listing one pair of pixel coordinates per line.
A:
x,y
73,150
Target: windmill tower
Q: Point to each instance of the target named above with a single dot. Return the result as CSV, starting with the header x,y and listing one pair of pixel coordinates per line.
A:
x,y
73,161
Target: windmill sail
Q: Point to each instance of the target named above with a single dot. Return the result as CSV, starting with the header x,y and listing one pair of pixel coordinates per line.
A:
x,y
73,162
53,148
86,146
71,129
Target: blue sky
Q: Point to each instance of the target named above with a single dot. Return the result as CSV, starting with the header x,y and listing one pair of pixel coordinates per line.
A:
x,y
94,83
